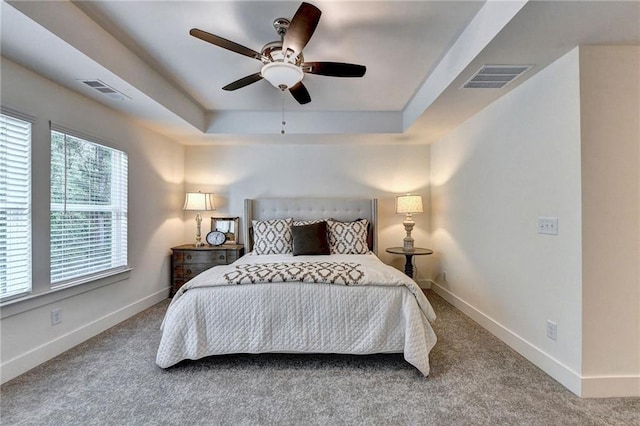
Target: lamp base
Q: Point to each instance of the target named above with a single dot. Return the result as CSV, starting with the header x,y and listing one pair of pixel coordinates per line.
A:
x,y
407,244
198,242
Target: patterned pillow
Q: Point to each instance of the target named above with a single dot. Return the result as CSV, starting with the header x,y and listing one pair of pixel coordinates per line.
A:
x,y
348,237
272,236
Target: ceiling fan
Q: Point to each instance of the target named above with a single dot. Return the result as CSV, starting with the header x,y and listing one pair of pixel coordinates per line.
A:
x,y
283,62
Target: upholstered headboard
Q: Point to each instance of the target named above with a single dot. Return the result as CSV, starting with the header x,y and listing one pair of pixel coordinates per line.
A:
x,y
343,209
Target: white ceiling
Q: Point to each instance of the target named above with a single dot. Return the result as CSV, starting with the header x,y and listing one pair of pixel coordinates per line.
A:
x,y
417,53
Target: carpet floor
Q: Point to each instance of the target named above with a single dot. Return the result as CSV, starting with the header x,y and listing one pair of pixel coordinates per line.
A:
x,y
475,379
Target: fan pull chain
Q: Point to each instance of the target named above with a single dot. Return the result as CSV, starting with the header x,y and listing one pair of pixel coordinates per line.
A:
x,y
283,122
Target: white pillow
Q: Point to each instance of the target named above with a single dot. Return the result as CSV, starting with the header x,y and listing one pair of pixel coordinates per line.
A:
x,y
272,236
348,237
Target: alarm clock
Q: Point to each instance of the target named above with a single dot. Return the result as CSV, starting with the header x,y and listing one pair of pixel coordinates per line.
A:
x,y
215,238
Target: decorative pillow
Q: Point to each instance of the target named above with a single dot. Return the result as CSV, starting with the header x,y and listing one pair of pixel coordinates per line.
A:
x,y
370,236
310,239
272,236
348,237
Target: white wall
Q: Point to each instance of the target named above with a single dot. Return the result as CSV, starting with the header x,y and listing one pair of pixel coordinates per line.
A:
x,y
492,177
610,106
156,172
347,167
567,144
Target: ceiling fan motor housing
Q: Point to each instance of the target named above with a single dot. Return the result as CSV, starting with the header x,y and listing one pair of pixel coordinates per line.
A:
x,y
273,52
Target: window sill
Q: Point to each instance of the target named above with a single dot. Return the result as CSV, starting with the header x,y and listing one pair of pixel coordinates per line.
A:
x,y
33,301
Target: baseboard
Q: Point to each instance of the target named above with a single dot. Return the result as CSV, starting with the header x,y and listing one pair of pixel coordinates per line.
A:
x,y
25,362
554,368
610,386
424,283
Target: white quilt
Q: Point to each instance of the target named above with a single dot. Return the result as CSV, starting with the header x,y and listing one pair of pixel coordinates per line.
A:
x,y
387,312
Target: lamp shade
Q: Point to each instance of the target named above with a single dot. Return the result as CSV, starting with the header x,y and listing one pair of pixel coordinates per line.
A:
x,y
409,204
199,201
282,75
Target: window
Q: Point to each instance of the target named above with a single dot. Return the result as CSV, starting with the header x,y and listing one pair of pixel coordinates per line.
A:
x,y
15,207
88,208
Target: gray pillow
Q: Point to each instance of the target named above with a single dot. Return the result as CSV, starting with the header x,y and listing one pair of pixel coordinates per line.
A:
x,y
310,239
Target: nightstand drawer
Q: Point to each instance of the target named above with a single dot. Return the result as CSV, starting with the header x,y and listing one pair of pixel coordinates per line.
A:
x,y
188,271
232,256
212,257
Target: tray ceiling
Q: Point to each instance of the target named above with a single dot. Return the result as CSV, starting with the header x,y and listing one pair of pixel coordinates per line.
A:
x,y
417,54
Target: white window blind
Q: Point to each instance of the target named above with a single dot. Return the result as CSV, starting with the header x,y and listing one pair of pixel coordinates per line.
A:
x,y
15,207
88,208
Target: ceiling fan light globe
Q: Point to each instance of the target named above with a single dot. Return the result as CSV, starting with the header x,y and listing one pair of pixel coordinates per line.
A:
x,y
282,74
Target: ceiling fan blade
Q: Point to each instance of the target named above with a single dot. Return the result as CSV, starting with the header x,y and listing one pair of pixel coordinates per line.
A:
x,y
300,93
238,84
302,26
334,69
225,44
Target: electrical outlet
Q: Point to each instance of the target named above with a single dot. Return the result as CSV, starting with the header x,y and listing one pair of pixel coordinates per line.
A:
x,y
552,330
56,316
548,225
444,276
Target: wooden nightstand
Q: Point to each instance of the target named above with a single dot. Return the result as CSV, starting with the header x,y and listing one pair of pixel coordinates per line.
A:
x,y
188,261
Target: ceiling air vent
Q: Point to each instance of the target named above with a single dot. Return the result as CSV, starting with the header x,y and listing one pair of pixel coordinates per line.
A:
x,y
495,76
105,89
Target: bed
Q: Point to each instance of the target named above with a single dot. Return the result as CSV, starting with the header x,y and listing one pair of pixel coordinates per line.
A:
x,y
304,298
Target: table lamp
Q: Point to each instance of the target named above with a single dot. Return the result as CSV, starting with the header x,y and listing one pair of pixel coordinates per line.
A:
x,y
408,204
199,201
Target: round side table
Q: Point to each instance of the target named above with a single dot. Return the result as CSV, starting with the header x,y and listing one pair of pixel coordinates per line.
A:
x,y
408,265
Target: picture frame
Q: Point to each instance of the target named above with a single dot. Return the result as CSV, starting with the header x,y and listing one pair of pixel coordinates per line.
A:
x,y
229,226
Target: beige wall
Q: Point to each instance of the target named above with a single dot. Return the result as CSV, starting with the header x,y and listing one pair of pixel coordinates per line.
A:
x,y
610,127
155,221
348,167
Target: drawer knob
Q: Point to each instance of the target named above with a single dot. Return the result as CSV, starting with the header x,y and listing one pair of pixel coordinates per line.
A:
x,y
188,256
189,271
